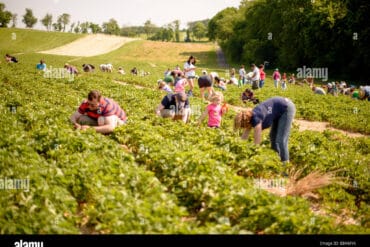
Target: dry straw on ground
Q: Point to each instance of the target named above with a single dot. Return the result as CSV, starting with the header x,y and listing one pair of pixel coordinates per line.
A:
x,y
306,186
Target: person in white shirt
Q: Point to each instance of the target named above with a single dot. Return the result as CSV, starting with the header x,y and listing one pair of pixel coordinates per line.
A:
x,y
189,69
255,78
242,74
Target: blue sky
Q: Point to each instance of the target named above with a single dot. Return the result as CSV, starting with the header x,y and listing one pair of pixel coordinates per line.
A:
x,y
126,12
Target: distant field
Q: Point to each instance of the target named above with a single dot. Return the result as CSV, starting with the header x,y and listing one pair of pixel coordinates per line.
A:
x,y
169,53
14,40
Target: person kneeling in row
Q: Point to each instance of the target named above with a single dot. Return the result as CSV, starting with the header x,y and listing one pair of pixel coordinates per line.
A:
x,y
175,106
100,113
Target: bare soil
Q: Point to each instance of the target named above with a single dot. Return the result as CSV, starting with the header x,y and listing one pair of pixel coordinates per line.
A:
x,y
91,45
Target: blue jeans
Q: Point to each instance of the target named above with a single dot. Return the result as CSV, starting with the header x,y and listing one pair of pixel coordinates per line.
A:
x,y
280,130
262,82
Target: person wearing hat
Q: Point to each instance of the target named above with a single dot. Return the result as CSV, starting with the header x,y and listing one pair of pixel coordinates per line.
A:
x,y
175,106
171,77
355,94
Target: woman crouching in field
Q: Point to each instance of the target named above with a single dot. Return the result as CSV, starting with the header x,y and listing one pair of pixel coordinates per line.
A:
x,y
277,113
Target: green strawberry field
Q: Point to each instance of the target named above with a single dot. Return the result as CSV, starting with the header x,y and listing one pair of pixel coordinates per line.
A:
x,y
158,176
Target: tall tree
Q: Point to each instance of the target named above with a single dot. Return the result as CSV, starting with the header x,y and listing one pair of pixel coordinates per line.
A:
x,y
85,27
63,21
177,30
14,19
95,28
29,19
220,27
47,21
77,28
149,27
71,27
5,16
57,26
111,27
199,30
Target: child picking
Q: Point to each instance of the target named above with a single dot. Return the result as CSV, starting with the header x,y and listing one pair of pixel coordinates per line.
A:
x,y
214,111
162,85
248,95
283,82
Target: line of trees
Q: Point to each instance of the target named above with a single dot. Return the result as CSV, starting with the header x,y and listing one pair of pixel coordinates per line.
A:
x,y
291,33
170,32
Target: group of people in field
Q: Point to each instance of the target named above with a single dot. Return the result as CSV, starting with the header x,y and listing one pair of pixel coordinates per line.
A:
x,y
85,68
341,88
104,114
277,113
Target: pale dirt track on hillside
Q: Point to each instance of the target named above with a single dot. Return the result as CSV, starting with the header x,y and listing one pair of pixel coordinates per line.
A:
x,y
91,45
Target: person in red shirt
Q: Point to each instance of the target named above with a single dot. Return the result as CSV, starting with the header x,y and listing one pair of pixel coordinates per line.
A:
x,y
102,114
262,75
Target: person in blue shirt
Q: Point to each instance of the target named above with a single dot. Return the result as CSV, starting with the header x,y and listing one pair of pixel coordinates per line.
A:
x,y
41,65
277,113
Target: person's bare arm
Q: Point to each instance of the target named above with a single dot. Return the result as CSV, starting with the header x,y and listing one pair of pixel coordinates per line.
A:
x,y
203,116
245,134
74,119
159,109
258,133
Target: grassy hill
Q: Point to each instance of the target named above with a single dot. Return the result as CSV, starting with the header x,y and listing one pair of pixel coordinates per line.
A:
x,y
14,40
158,176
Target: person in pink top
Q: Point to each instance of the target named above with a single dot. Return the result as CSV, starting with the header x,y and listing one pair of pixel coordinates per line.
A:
x,y
262,75
276,77
283,82
180,85
214,111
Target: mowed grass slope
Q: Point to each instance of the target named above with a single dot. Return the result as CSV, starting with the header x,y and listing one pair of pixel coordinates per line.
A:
x,y
152,54
14,40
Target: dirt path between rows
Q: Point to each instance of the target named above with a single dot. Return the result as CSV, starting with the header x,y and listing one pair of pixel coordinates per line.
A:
x,y
221,59
91,45
322,126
